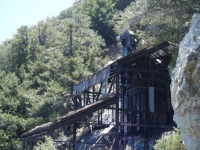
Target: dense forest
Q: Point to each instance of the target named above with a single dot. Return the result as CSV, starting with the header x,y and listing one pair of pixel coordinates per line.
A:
x,y
41,63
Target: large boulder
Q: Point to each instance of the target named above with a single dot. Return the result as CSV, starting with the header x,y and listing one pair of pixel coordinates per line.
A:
x,y
185,87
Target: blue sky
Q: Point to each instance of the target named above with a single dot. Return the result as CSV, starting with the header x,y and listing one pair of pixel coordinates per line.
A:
x,y
15,13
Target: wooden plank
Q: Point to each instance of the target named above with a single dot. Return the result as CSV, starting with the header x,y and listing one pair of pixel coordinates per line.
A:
x,y
142,53
145,125
71,116
98,145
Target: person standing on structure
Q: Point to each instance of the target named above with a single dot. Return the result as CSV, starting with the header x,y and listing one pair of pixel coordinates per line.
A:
x,y
129,43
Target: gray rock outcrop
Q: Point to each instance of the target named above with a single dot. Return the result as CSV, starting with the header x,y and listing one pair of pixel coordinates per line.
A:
x,y
185,87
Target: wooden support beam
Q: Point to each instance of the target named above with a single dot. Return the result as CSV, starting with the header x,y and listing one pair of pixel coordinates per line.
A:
x,y
148,69
142,53
108,134
144,71
145,125
74,136
111,86
97,145
117,114
71,116
99,91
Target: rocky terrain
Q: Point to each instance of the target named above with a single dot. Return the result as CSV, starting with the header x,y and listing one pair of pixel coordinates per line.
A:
x,y
185,87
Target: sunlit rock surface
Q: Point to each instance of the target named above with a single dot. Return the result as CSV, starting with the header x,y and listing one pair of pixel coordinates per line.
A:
x,y
185,87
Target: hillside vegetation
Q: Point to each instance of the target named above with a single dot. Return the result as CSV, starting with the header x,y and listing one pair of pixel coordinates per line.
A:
x,y
41,63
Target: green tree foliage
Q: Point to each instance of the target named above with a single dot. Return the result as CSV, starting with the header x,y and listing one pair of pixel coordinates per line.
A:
x,y
44,83
19,47
46,33
79,45
12,112
130,16
170,142
5,56
38,68
157,21
48,144
122,4
101,15
67,13
171,19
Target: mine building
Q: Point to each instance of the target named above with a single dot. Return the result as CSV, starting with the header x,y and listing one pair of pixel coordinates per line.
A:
x,y
134,90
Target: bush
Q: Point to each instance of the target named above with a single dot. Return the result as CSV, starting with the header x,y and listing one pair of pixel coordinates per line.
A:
x,y
170,142
48,144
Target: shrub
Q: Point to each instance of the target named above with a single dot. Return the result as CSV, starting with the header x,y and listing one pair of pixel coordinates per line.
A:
x,y
170,142
48,144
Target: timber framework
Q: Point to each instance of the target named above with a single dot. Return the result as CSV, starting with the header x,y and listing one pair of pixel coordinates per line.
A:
x,y
135,88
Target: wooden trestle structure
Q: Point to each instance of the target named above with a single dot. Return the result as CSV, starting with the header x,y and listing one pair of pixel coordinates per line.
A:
x,y
136,88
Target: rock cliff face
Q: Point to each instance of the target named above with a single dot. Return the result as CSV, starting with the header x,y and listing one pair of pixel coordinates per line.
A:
x,y
185,87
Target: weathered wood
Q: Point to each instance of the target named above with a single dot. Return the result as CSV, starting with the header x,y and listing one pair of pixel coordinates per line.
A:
x,y
71,116
145,125
98,145
143,69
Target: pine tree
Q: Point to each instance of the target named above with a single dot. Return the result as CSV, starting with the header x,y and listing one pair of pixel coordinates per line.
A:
x,y
48,144
101,15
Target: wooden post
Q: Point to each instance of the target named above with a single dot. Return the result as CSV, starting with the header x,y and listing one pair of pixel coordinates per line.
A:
x,y
117,114
145,143
31,144
93,89
168,101
74,136
23,148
